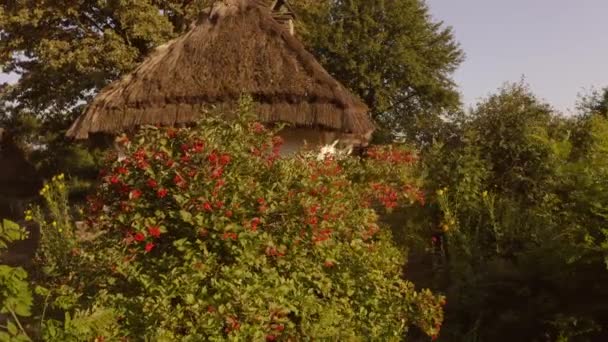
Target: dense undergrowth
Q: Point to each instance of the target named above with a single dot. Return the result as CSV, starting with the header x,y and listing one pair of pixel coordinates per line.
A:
x,y
207,233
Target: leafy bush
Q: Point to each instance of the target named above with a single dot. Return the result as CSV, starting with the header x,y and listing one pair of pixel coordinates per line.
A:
x,y
208,233
51,312
521,221
15,296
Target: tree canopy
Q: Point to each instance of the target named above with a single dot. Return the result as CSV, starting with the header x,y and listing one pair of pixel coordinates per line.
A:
x,y
391,53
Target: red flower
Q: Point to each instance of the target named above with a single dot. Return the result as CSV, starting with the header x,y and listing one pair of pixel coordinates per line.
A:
x,y
229,213
171,133
159,155
420,197
312,221
271,251
220,183
314,208
179,181
152,183
271,338
255,222
263,206
154,231
258,127
224,159
279,327
199,146
233,324
207,206
232,236
142,164
135,194
139,237
277,141
149,247
122,171
217,173
162,193
140,154
213,158
114,180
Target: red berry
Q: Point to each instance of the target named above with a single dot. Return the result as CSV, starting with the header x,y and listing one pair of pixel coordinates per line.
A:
x,y
135,194
224,159
139,237
154,231
162,193
328,264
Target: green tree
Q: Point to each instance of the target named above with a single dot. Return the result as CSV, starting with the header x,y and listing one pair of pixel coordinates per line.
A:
x,y
64,53
522,222
596,102
506,127
392,54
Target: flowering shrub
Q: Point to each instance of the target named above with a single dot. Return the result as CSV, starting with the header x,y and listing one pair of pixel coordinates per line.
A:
x,y
22,319
208,233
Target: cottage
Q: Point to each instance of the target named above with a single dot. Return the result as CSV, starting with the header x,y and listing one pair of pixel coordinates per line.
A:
x,y
237,47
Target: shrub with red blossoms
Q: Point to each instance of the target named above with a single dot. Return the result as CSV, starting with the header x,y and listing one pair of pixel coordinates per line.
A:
x,y
237,242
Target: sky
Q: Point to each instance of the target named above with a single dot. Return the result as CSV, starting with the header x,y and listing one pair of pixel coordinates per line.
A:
x,y
560,47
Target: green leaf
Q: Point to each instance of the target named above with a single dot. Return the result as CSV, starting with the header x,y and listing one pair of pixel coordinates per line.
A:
x,y
5,337
12,328
10,232
186,216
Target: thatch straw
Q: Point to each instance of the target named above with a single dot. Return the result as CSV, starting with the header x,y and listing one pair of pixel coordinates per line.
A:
x,y
237,49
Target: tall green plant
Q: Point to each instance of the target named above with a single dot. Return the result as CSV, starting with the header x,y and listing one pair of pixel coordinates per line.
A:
x,y
522,222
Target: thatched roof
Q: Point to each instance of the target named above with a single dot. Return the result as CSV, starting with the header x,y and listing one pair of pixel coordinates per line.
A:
x,y
238,48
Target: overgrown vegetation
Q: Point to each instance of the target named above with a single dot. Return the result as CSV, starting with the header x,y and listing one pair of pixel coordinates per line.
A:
x,y
522,196
206,234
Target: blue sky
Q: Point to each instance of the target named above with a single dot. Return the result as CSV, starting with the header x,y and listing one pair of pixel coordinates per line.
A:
x,y
559,46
